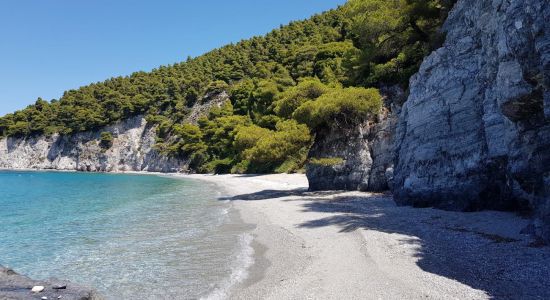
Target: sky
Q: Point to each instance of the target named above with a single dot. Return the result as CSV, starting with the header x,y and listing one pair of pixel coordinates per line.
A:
x,y
47,47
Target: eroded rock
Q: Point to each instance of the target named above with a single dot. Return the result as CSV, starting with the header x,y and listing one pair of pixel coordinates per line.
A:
x,y
362,154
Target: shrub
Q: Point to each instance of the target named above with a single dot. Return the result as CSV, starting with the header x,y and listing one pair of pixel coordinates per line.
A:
x,y
106,140
219,166
326,161
273,150
247,137
340,107
291,99
217,86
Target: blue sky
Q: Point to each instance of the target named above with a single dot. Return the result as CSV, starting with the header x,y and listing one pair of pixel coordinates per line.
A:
x,y
47,47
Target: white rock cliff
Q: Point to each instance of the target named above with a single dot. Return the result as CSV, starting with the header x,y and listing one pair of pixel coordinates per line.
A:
x,y
132,150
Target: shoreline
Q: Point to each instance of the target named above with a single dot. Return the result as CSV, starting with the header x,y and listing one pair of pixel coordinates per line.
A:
x,y
265,235
355,245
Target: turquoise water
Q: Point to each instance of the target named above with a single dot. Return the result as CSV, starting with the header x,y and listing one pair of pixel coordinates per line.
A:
x,y
129,236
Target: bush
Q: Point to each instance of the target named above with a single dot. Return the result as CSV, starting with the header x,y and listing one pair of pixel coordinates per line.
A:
x,y
217,86
340,107
273,150
291,99
106,140
219,166
247,137
326,161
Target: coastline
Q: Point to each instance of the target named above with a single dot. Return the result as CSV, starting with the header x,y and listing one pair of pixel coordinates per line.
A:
x,y
354,245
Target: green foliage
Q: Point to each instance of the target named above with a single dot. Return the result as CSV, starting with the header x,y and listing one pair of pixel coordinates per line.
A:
x,y
291,99
282,150
248,136
320,72
106,140
217,86
340,107
326,161
393,36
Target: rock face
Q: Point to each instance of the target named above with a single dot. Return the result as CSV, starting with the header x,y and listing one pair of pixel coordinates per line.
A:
x,y
365,151
475,130
14,286
206,103
132,150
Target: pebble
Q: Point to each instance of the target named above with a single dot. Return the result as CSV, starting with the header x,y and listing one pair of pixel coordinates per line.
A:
x,y
59,287
44,298
37,289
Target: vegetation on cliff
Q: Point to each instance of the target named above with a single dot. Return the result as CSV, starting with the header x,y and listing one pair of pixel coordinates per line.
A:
x,y
283,87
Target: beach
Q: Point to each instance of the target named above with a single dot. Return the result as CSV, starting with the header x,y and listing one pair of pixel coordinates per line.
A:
x,y
353,245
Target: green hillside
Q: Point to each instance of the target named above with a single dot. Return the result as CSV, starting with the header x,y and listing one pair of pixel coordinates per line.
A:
x,y
283,88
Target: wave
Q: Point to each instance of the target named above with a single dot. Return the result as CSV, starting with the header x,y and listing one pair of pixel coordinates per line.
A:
x,y
243,259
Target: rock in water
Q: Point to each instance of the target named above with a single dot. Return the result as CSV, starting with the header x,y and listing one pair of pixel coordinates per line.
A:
x,y
17,287
59,287
475,130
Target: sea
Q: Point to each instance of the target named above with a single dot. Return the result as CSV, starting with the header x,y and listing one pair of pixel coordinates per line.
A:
x,y
127,236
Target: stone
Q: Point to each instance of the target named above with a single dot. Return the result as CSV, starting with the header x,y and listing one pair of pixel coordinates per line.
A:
x,y
59,287
366,151
15,286
348,145
474,132
132,150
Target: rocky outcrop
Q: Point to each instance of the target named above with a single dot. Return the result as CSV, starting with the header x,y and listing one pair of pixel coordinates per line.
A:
x,y
202,108
358,157
132,149
340,159
17,287
475,130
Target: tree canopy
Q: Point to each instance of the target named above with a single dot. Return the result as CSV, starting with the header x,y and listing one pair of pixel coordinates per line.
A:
x,y
283,87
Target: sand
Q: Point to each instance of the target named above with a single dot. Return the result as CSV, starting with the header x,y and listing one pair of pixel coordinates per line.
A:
x,y
352,245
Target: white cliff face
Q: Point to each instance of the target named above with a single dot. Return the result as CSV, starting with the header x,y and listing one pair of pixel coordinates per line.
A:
x,y
132,150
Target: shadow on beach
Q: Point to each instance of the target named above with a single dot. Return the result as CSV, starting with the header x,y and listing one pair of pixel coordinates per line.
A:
x,y
274,194
483,250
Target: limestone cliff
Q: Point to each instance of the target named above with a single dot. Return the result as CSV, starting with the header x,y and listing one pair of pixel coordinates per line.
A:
x,y
365,151
132,150
475,130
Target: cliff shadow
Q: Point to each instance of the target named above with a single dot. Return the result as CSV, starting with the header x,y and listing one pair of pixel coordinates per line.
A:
x,y
275,194
482,250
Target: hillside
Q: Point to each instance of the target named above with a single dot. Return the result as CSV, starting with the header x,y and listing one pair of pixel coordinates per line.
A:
x,y
283,88
331,95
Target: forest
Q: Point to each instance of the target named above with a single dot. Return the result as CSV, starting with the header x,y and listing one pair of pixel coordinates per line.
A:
x,y
283,87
